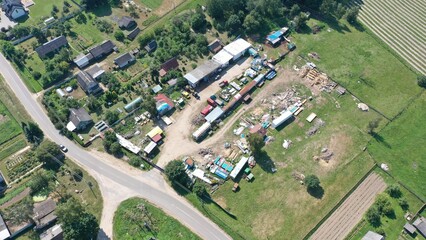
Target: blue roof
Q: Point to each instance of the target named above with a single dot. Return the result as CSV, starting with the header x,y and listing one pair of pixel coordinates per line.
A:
x,y
275,35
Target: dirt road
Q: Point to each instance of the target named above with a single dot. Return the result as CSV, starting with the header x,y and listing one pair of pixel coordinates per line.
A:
x,y
179,142
345,218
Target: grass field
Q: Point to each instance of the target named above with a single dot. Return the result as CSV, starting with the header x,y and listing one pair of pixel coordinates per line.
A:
x,y
400,145
391,226
360,63
9,127
42,9
399,26
153,4
129,222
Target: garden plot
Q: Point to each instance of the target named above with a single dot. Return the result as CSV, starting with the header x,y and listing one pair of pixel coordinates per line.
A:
x,y
345,218
401,26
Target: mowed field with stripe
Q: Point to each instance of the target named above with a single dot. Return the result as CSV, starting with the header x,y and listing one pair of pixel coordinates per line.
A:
x,y
400,24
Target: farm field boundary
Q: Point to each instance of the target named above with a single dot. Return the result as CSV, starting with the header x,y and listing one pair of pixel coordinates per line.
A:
x,y
350,212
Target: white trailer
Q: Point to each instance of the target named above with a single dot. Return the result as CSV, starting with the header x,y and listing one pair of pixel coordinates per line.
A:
x,y
281,119
234,173
201,131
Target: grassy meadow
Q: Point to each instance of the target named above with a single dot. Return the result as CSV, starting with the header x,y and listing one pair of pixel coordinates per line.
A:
x,y
162,226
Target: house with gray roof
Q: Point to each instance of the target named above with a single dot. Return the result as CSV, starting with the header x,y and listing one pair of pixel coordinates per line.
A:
x,y
13,9
79,119
88,83
51,46
103,49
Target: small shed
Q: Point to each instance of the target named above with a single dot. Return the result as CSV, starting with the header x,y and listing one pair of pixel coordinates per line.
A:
x,y
157,138
154,131
258,129
126,22
311,117
410,229
157,88
151,146
151,46
370,235
215,46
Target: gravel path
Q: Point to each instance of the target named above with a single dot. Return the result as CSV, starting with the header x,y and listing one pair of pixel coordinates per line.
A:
x,y
345,218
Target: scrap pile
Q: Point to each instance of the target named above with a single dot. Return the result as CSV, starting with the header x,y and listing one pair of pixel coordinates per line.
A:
x,y
318,78
283,100
318,123
326,155
205,151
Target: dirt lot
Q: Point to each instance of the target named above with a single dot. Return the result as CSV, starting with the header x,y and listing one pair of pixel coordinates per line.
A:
x,y
345,218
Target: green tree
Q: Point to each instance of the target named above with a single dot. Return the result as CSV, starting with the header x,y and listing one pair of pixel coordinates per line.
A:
x,y
256,142
76,222
383,205
49,153
77,174
253,22
300,21
198,21
294,11
175,171
93,104
403,203
312,182
373,216
149,105
135,161
233,23
109,139
33,133
145,38
421,81
119,35
38,182
115,148
111,116
352,14
372,126
199,188
394,191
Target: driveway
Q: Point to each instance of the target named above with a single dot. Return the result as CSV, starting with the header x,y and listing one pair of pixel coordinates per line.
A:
x,y
5,22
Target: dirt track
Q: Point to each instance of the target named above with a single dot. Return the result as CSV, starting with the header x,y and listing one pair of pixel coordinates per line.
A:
x,y
345,218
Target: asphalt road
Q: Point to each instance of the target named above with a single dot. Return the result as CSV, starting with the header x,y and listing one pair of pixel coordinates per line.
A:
x,y
176,206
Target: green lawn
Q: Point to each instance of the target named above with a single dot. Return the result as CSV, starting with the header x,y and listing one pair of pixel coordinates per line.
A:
x,y
401,146
153,4
9,127
362,64
391,226
12,146
42,9
129,222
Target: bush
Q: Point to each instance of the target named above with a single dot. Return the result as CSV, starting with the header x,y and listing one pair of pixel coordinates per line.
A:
x,y
373,216
36,75
394,191
421,81
78,174
403,203
312,182
119,35
135,161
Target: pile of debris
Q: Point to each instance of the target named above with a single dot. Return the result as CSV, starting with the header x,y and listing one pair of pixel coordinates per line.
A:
x,y
318,123
317,78
198,120
205,151
326,155
298,176
283,100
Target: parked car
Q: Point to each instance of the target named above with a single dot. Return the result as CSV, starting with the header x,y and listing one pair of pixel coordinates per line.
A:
x,y
223,83
195,94
63,148
186,94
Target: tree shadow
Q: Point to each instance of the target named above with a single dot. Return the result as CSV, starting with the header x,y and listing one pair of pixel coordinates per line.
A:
x,y
264,161
381,140
358,26
102,235
332,22
391,215
368,82
102,11
317,193
285,124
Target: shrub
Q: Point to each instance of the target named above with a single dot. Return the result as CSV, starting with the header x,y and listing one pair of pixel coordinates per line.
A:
x,y
421,81
394,191
373,216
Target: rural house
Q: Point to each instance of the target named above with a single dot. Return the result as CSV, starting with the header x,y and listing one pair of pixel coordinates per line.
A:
x,y
51,46
372,236
215,46
124,60
87,83
83,60
95,72
420,224
44,213
170,64
79,119
126,23
133,34
13,9
105,48
151,46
